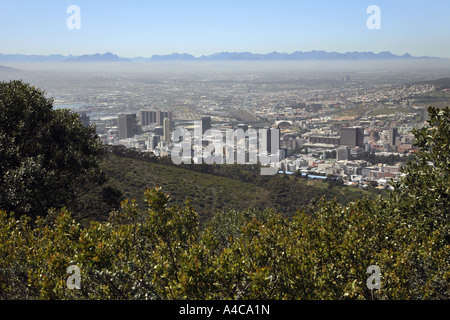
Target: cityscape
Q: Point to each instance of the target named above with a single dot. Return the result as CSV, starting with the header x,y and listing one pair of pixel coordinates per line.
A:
x,y
327,121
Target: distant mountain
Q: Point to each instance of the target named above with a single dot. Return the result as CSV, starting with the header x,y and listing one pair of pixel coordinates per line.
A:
x,y
172,57
221,56
275,56
307,55
295,56
106,57
31,58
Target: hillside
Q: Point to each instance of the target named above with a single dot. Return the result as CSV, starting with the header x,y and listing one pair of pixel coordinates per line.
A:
x,y
218,188
439,98
207,192
443,83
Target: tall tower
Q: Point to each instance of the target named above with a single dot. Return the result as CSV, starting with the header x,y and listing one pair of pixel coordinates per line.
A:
x,y
159,117
167,129
393,134
127,125
267,142
143,116
170,116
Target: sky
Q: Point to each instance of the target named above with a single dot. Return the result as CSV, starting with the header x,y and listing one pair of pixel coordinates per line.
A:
x,y
136,28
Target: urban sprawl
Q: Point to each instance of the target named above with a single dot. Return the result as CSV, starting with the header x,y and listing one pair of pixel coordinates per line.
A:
x,y
324,125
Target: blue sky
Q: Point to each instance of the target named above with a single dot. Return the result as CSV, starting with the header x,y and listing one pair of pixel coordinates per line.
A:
x,y
143,28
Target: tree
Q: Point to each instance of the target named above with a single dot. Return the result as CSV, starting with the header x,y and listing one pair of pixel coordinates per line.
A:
x,y
47,157
334,181
419,207
424,193
330,154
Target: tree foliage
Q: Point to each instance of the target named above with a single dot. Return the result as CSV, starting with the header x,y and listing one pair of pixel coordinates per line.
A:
x,y
47,157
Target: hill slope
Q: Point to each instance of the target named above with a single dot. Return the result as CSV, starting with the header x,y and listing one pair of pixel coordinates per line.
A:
x,y
207,192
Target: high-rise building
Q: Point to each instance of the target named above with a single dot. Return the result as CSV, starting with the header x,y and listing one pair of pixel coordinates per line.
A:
x,y
167,129
343,153
267,142
161,115
127,126
154,142
147,117
206,124
150,116
352,137
393,134
170,116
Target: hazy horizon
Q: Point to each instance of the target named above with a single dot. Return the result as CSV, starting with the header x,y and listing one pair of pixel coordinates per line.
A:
x,y
431,65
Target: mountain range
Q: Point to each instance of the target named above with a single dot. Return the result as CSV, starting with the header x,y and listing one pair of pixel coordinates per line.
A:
x,y
221,56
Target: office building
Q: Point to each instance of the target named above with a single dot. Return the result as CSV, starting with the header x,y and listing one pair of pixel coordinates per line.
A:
x,y
127,126
167,129
147,117
331,140
343,153
393,135
161,115
267,142
352,137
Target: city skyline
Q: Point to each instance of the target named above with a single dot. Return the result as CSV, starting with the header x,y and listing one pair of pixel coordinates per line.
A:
x,y
134,29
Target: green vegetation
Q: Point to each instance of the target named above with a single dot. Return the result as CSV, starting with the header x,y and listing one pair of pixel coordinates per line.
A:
x,y
47,158
438,98
357,110
207,192
373,158
391,111
320,251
